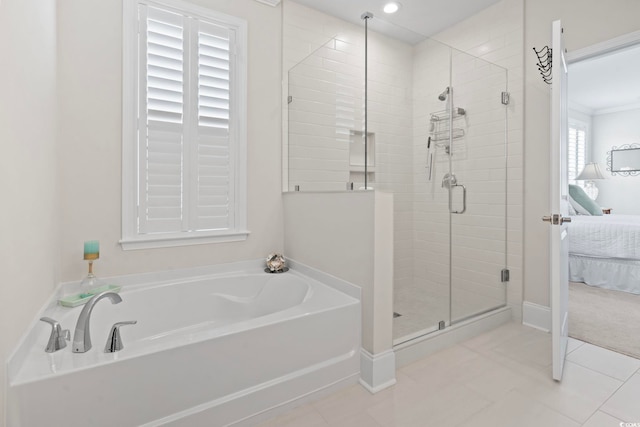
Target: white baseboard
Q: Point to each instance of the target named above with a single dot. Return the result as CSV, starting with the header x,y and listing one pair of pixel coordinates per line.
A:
x,y
377,371
536,315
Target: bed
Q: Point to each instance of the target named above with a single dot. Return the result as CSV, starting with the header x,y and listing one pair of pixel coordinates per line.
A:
x,y
604,251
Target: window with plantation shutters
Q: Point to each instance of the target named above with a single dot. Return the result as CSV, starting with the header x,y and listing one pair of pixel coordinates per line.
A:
x,y
576,151
184,119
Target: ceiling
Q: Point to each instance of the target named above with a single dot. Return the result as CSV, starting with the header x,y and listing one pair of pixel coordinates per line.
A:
x,y
421,17
606,83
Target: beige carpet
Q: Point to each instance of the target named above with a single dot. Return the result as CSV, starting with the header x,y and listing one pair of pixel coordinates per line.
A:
x,y
609,319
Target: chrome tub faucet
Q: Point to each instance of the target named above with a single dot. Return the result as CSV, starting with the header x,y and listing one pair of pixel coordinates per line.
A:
x,y
82,336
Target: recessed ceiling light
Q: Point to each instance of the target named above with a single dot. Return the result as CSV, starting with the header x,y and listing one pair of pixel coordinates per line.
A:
x,y
391,7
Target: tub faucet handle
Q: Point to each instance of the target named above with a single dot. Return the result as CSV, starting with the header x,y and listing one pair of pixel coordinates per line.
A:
x,y
58,338
114,341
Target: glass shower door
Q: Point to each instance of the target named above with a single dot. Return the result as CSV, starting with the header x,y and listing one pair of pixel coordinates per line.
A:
x,y
478,165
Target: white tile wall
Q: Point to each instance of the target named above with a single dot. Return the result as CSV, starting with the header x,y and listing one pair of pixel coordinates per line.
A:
x,y
319,148
478,161
389,115
431,70
496,34
327,98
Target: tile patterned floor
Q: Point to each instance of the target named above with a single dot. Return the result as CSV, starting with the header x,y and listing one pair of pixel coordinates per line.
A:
x,y
498,379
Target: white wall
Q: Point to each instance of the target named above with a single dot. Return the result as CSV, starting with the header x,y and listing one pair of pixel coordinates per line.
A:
x,y
620,193
29,246
585,23
319,225
89,81
61,155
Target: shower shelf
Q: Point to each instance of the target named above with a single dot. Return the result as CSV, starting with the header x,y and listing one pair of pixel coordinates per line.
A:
x,y
444,115
444,135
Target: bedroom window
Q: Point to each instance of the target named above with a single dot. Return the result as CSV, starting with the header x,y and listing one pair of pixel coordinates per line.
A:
x,y
184,121
577,151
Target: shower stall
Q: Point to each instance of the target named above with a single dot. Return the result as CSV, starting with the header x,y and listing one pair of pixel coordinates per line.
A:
x,y
421,120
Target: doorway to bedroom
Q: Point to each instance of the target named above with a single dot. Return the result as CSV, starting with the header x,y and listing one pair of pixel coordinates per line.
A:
x,y
603,164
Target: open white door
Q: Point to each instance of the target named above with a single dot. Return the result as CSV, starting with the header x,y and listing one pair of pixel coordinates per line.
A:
x,y
559,251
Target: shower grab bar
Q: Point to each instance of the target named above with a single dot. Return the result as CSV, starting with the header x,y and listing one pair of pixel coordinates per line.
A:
x,y
464,199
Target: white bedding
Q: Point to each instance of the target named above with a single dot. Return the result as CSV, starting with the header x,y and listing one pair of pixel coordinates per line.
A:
x,y
607,273
606,236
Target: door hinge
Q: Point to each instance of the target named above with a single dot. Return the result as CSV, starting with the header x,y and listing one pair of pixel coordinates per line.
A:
x,y
441,325
504,275
505,98
289,99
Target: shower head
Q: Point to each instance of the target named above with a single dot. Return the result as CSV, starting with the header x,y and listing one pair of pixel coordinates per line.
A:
x,y
443,95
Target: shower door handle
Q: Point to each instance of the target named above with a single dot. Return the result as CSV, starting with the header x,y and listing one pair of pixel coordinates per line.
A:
x,y
464,199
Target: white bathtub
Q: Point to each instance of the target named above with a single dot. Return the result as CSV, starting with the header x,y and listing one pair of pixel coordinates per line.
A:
x,y
211,350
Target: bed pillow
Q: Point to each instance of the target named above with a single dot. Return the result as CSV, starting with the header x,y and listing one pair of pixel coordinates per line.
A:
x,y
577,207
580,197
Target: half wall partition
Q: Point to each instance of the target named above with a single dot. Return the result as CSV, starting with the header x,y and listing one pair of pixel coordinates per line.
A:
x,y
435,137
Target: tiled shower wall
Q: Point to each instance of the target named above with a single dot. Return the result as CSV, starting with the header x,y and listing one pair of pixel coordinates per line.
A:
x,y
474,255
404,82
326,116
390,120
431,217
496,34
318,150
479,235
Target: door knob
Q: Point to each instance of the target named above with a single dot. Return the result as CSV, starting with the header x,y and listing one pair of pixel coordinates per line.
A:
x,y
556,219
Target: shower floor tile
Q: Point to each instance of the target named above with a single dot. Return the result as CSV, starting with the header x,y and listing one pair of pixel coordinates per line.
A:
x,y
418,311
422,310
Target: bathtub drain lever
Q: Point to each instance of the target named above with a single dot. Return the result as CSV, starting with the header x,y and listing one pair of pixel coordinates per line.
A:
x,y
114,341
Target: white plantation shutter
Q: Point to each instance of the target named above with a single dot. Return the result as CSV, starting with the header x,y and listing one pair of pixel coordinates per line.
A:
x,y
215,184
189,139
162,127
577,151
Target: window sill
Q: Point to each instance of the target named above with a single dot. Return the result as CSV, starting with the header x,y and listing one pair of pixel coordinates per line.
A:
x,y
167,241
